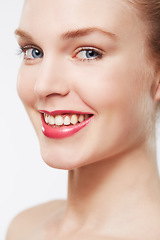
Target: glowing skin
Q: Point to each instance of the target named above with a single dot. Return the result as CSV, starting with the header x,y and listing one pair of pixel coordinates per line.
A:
x,y
90,56
109,87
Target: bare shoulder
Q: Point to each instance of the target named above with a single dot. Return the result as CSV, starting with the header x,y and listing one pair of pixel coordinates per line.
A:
x,y
26,221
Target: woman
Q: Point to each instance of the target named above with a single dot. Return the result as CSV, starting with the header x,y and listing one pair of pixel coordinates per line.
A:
x,y
90,83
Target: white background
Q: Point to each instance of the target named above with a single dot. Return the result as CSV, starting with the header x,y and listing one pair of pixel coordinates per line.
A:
x,y
24,179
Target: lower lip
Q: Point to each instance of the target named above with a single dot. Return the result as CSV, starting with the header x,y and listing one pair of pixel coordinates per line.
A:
x,y
64,131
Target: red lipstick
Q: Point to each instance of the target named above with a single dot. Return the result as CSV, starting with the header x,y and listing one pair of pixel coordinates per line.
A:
x,y
63,131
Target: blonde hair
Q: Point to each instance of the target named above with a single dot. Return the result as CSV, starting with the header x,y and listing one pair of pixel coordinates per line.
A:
x,y
149,11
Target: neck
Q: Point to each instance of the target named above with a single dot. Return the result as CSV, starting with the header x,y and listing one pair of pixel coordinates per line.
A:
x,y
125,186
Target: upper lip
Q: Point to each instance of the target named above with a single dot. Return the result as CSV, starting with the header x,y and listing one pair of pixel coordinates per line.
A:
x,y
61,112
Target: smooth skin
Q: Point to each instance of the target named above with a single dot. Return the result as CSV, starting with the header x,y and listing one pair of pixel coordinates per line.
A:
x,y
113,183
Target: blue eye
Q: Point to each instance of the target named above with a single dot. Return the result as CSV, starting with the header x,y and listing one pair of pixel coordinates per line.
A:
x,y
32,53
88,54
91,54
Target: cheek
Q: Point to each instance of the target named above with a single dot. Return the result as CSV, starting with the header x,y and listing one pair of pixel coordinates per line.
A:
x,y
114,84
25,85
119,94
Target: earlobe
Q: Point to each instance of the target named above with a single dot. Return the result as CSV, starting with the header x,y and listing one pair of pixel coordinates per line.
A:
x,y
157,90
157,93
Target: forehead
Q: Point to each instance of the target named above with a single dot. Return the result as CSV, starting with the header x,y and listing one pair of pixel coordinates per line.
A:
x,y
63,15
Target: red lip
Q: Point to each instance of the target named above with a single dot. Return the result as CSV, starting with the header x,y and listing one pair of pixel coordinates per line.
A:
x,y
61,112
63,131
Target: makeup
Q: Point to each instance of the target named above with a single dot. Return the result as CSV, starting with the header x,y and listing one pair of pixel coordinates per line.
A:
x,y
62,124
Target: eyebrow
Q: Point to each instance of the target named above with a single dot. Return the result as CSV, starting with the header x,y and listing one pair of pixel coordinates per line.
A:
x,y
86,31
71,34
23,34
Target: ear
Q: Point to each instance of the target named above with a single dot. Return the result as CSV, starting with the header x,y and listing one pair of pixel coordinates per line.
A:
x,y
157,90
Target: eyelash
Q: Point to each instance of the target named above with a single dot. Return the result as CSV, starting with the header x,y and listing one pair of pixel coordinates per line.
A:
x,y
24,49
99,54
82,50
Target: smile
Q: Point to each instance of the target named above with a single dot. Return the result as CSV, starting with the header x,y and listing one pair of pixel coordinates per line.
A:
x,y
60,124
66,120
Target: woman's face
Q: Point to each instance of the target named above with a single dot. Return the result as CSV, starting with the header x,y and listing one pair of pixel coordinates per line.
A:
x,y
85,66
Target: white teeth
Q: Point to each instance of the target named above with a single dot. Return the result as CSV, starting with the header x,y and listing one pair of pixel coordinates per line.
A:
x,y
46,118
51,120
58,120
81,118
66,120
74,119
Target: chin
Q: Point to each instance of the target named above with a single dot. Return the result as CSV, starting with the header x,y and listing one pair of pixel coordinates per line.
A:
x,y
59,158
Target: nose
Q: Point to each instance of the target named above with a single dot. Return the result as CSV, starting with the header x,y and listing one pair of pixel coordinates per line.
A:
x,y
51,78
